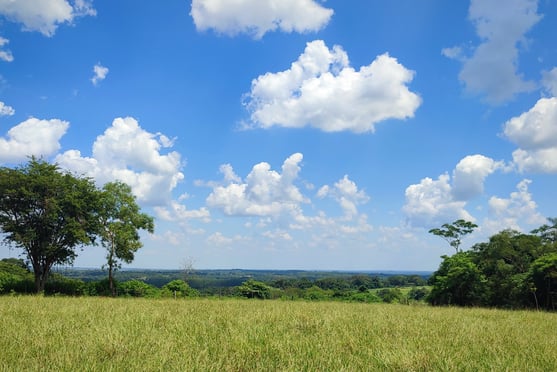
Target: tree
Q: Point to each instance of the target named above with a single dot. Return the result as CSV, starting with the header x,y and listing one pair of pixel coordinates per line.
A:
x,y
47,213
120,219
254,289
178,288
504,260
548,233
458,281
454,232
542,279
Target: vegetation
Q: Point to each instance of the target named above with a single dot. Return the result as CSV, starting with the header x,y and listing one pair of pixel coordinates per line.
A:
x,y
454,232
46,213
94,334
511,270
49,213
120,219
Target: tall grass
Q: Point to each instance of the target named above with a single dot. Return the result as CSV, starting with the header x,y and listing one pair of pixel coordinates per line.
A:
x,y
90,334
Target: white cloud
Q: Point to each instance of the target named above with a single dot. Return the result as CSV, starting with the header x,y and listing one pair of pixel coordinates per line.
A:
x,y
321,90
219,239
512,213
470,174
128,153
453,53
5,55
32,137
535,133
100,73
347,194
44,16
6,110
264,192
179,212
431,203
257,17
492,68
549,81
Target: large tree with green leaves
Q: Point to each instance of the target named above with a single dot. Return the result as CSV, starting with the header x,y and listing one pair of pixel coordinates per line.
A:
x,y
48,213
121,219
458,281
454,232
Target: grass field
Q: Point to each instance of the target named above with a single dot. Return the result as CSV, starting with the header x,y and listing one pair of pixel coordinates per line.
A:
x,y
90,334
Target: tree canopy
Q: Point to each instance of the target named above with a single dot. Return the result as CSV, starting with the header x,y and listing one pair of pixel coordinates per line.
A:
x,y
454,232
47,213
120,219
510,270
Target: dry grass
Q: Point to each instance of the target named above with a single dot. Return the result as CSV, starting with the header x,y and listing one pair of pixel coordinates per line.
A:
x,y
99,334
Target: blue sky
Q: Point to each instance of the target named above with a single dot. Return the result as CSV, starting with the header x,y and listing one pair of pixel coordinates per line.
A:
x,y
292,134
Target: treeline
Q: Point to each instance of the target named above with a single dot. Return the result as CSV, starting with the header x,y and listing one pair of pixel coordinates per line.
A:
x,y
511,270
16,278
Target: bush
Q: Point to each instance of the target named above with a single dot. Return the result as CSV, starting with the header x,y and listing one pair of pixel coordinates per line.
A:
x,y
178,288
418,293
137,288
254,289
390,295
58,284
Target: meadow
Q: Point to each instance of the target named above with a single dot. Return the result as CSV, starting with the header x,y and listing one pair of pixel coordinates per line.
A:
x,y
211,334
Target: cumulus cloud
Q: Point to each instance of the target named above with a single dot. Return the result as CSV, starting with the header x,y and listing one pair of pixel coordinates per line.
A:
x,y
535,133
470,174
5,55
128,153
32,137
257,17
100,73
492,68
515,211
431,203
179,212
6,110
219,239
44,16
347,194
264,192
321,90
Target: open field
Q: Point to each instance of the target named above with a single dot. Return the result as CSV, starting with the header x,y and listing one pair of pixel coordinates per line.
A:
x,y
87,334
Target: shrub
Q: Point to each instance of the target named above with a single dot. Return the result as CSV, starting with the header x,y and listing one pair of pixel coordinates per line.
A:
x,y
178,288
137,288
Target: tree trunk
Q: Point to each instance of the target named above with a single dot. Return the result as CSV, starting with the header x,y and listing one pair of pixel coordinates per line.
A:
x,y
111,269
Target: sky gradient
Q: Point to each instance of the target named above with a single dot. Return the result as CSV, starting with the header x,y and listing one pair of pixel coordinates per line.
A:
x,y
292,134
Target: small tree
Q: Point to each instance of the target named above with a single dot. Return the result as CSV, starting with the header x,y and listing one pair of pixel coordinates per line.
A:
x,y
454,232
120,220
47,213
255,289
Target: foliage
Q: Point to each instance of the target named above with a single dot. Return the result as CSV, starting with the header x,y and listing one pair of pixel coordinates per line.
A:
x,y
47,213
120,219
58,284
418,293
542,280
454,232
178,288
458,281
254,289
390,295
137,288
14,277
510,270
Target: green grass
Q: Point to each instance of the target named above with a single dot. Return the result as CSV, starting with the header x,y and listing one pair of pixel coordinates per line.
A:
x,y
90,334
